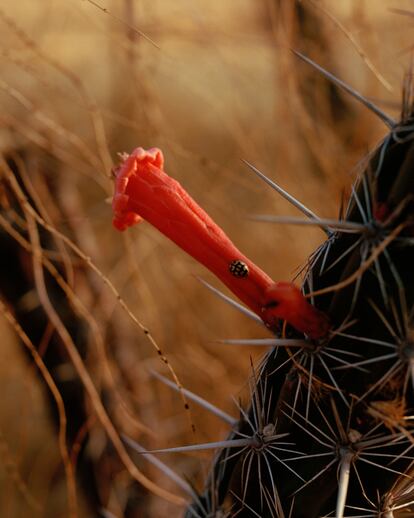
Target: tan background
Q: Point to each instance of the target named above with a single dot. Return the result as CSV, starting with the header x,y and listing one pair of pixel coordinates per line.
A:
x,y
222,86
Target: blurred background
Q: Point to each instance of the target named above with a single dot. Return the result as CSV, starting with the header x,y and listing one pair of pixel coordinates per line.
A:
x,y
210,83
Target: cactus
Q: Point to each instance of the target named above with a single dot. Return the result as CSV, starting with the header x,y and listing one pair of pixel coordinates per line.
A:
x,y
328,431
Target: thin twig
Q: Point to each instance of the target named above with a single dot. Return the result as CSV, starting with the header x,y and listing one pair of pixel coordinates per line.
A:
x,y
348,34
70,479
123,22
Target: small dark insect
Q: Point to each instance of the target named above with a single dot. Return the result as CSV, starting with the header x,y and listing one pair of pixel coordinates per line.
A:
x,y
238,268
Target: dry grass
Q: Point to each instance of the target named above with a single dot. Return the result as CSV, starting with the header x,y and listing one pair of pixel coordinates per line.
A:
x,y
79,85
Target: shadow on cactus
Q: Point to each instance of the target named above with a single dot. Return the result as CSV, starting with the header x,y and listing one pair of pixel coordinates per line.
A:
x,y
328,430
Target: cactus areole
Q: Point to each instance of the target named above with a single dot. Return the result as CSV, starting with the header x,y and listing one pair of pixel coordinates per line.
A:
x,y
144,191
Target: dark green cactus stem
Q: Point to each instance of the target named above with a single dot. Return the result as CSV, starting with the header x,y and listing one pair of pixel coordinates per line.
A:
x,y
344,402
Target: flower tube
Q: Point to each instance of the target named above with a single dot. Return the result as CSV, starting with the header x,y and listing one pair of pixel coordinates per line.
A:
x,y
144,191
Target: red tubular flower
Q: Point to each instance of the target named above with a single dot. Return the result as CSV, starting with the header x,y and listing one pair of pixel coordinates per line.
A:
x,y
144,191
